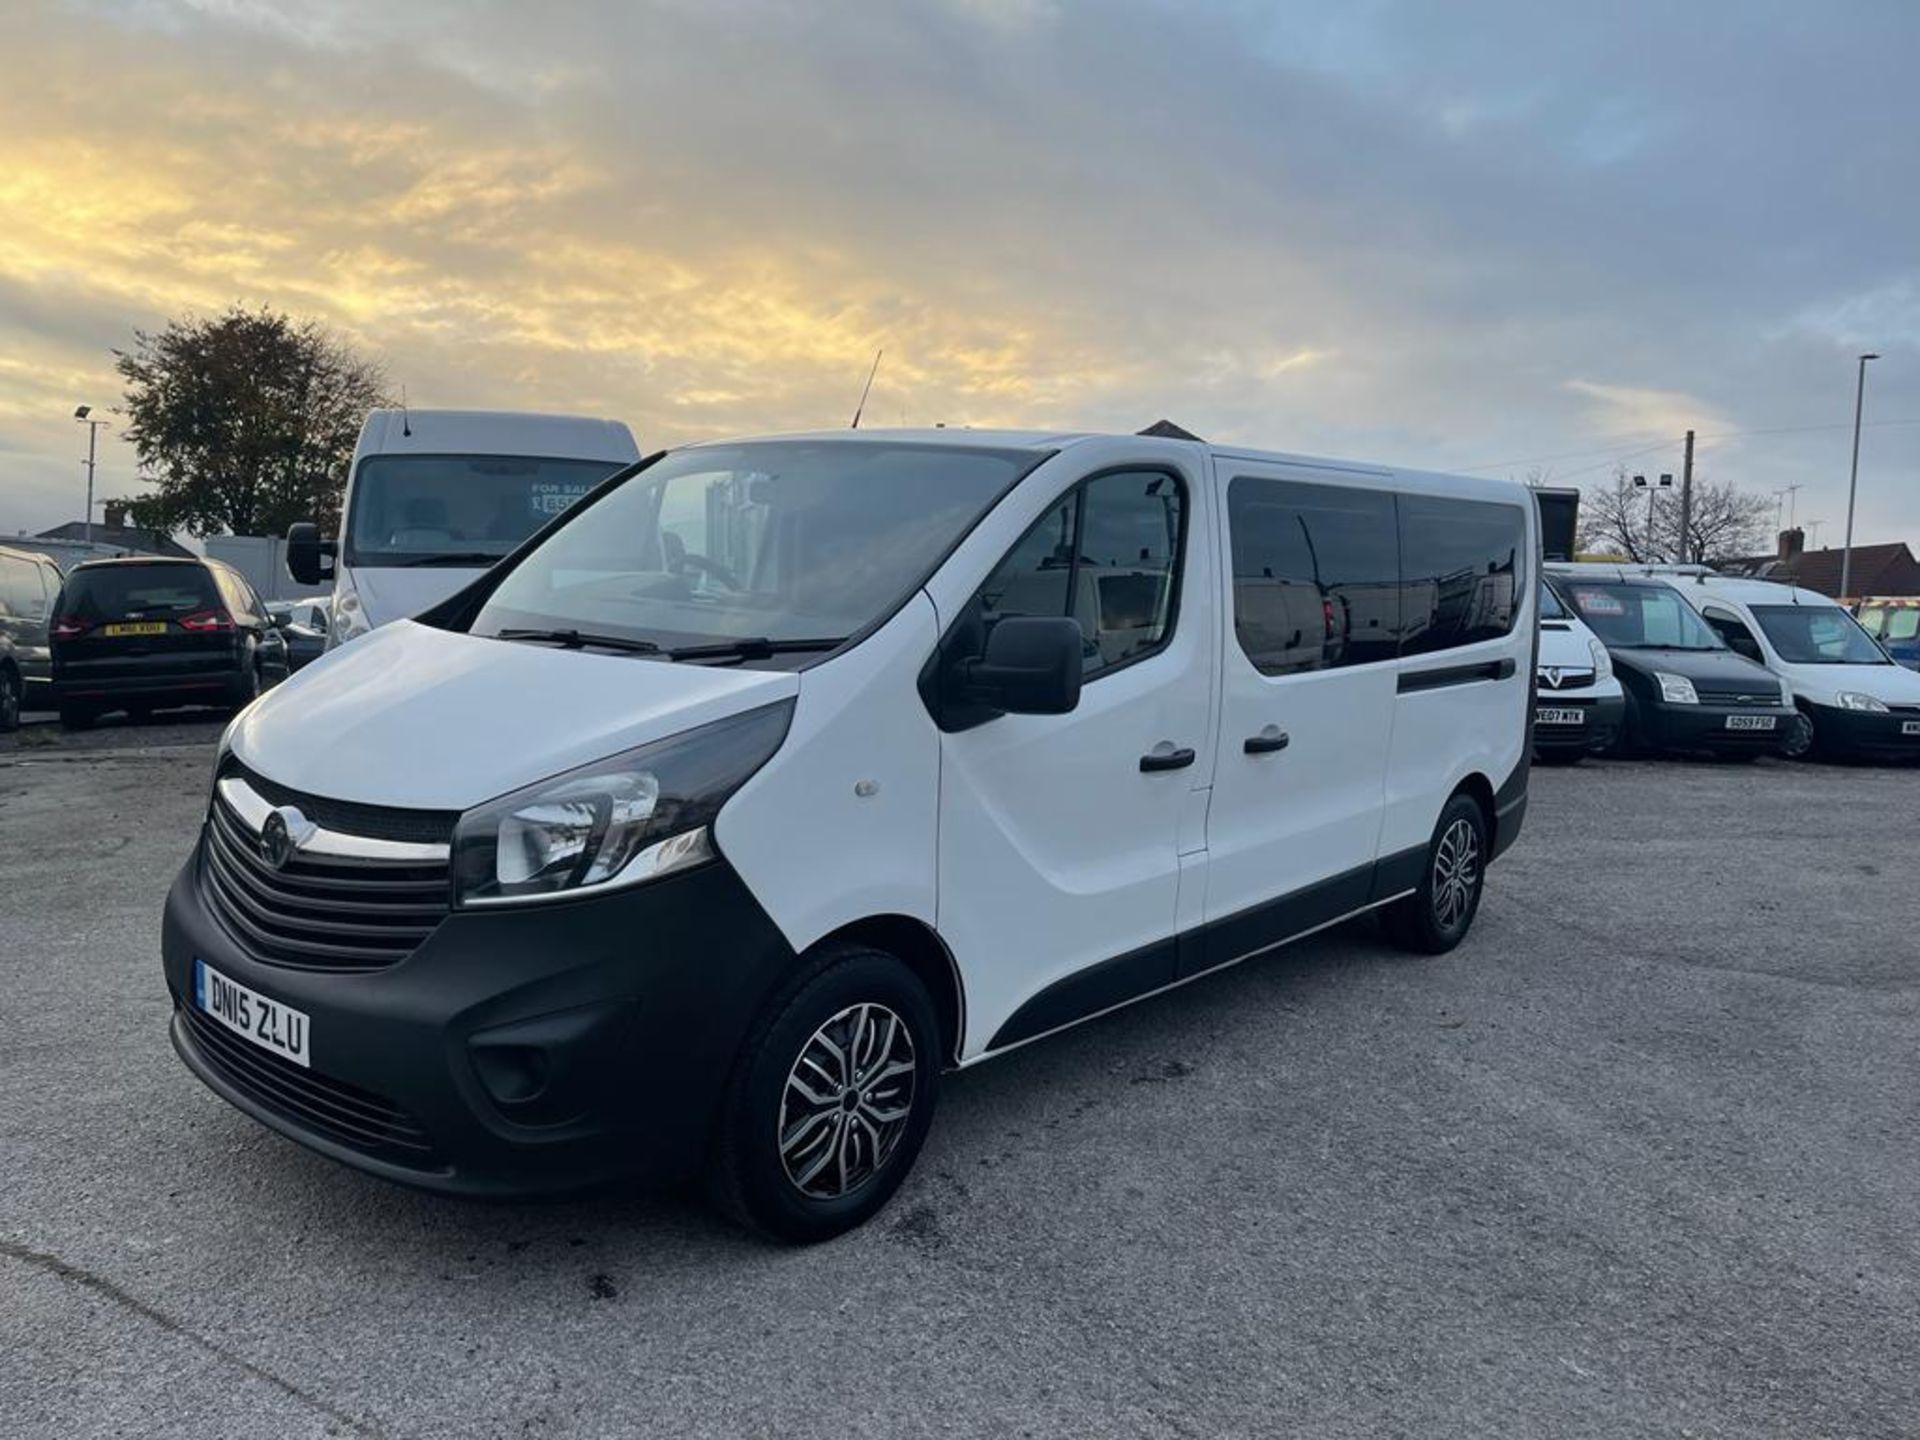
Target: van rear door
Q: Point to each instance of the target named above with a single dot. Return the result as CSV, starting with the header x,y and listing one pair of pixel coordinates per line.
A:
x,y
1307,702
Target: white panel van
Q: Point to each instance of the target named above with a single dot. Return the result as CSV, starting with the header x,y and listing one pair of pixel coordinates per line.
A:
x,y
705,831
436,496
1853,699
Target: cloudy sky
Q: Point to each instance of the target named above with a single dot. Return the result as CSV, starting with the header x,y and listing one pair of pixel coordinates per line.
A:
x,y
1484,237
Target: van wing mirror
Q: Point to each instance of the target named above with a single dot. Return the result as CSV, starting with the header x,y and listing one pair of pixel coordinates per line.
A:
x,y
309,558
1744,645
1032,666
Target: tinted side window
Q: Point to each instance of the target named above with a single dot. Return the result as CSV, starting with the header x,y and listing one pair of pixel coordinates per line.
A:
x,y
1463,565
1104,554
1315,575
14,576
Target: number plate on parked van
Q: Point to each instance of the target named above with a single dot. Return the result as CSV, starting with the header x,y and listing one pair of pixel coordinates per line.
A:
x,y
1750,722
267,1023
1559,717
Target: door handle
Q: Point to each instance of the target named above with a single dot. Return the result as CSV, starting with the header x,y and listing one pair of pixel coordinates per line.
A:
x,y
1168,759
1270,739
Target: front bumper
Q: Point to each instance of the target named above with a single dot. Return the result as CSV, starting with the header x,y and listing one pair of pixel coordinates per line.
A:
x,y
1704,727
1600,723
1864,732
541,1048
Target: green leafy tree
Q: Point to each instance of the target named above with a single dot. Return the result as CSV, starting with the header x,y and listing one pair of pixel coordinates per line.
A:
x,y
245,423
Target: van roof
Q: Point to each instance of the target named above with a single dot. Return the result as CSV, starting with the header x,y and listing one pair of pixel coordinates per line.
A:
x,y
495,432
1760,592
1040,441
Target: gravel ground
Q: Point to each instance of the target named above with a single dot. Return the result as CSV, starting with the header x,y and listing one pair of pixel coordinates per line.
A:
x,y
1638,1159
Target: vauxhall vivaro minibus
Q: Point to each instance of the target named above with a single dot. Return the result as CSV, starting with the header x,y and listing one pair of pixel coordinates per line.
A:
x,y
704,832
435,496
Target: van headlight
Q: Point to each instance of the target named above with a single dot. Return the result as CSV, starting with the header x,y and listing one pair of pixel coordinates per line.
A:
x,y
1602,661
347,617
1855,700
1676,689
620,821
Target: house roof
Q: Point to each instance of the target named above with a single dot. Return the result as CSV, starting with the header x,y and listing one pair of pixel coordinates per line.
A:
x,y
1877,570
127,537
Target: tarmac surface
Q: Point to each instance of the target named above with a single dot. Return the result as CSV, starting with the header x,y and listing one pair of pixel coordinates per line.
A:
x,y
1639,1158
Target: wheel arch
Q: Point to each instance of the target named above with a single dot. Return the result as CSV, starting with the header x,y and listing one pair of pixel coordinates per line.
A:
x,y
919,947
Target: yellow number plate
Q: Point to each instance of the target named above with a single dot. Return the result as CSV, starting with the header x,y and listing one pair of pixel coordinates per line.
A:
x,y
145,627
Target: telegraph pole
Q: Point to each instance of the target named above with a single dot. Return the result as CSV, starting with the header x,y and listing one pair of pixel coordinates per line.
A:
x,y
1686,497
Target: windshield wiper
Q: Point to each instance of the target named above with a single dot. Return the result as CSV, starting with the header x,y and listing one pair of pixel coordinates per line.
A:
x,y
457,557
580,640
754,649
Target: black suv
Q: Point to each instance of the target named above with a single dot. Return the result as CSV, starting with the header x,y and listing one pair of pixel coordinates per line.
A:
x,y
142,633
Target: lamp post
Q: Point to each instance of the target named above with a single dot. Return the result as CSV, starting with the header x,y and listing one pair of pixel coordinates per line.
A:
x,y
1640,483
80,413
1853,481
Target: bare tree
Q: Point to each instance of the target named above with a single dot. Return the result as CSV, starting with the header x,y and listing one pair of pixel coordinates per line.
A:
x,y
1725,522
1613,520
1643,524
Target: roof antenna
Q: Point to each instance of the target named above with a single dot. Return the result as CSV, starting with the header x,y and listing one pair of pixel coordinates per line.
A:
x,y
868,389
406,421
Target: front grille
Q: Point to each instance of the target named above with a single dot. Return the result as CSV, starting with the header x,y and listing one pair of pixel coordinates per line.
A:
x,y
318,913
1554,680
1737,697
341,1112
350,817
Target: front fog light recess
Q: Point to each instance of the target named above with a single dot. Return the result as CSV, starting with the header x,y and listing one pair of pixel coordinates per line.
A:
x,y
623,821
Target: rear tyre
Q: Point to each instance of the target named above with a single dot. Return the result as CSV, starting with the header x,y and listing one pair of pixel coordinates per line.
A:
x,y
246,689
77,717
10,698
830,1099
1437,916
1558,757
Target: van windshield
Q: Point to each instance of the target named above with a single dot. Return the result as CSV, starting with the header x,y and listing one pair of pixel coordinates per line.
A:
x,y
1817,635
1652,617
458,509
783,541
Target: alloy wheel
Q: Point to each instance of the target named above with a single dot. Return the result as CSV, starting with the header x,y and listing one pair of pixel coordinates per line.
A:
x,y
1456,873
846,1101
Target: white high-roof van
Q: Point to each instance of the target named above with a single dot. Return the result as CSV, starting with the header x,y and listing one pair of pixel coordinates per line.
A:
x,y
780,775
1853,698
436,496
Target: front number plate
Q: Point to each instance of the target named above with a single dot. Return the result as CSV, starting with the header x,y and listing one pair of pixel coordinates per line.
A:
x,y
267,1023
1910,727
1750,722
1544,716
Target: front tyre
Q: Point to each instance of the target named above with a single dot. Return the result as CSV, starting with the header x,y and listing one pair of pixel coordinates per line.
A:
x,y
830,1100
1437,916
10,701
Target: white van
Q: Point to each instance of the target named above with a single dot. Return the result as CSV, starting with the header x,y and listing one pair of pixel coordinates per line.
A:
x,y
436,496
1853,698
1579,705
705,831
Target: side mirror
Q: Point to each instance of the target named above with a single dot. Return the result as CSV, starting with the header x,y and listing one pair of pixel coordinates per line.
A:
x,y
1032,666
308,556
1744,645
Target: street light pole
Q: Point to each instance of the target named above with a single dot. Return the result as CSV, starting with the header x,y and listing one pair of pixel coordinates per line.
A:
x,y
80,413
1853,481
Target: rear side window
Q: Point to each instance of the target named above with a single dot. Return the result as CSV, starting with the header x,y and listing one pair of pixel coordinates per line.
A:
x,y
1105,555
116,590
1462,562
1315,575
1902,625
